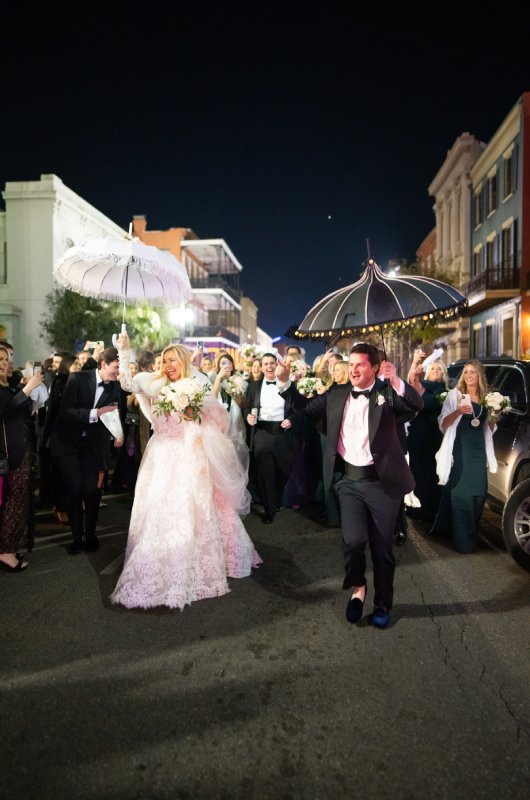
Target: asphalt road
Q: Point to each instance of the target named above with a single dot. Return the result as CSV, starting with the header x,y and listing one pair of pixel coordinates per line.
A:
x,y
267,692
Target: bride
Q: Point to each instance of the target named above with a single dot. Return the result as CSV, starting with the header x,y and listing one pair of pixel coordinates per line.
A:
x,y
185,534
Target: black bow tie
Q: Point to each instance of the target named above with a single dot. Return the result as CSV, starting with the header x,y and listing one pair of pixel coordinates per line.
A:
x,y
355,394
104,383
270,383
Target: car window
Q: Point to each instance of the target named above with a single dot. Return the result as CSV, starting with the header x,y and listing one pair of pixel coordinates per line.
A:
x,y
510,381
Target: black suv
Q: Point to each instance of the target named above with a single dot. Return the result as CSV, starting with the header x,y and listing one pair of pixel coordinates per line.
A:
x,y
509,487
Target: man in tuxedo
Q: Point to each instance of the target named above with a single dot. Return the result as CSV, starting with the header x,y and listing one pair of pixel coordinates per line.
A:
x,y
270,436
80,443
362,443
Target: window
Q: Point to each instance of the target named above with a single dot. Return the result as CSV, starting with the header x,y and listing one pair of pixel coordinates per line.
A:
x,y
507,337
478,207
476,342
508,176
477,261
506,249
490,253
489,340
492,193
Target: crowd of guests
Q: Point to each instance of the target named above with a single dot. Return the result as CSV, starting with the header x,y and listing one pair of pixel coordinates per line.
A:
x,y
285,448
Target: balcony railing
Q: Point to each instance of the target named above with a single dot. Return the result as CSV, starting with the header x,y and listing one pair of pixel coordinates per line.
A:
x,y
501,276
214,332
216,282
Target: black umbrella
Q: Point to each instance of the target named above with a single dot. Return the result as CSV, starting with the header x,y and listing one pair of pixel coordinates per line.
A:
x,y
380,303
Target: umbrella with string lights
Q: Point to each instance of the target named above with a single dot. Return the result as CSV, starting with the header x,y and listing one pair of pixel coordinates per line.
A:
x,y
380,303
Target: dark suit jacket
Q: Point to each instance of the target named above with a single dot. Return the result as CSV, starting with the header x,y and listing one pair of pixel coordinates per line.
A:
x,y
253,401
383,420
73,416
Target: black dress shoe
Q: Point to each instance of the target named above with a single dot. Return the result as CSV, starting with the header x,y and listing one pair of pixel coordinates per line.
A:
x,y
266,519
76,547
380,617
92,544
354,609
400,538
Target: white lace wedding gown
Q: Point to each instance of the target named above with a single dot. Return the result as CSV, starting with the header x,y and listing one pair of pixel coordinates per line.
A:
x,y
185,536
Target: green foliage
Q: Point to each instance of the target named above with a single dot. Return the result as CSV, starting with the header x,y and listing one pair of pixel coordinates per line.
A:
x,y
71,318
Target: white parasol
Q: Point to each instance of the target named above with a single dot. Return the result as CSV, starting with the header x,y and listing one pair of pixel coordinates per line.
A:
x,y
124,270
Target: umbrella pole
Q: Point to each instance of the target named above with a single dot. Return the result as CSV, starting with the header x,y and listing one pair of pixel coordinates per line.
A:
x,y
389,394
123,325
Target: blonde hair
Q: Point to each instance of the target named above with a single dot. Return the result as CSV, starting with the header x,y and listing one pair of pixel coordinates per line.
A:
x,y
444,371
3,382
482,380
183,357
344,367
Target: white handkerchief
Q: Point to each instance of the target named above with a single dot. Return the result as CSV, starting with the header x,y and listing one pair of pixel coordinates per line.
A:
x,y
435,356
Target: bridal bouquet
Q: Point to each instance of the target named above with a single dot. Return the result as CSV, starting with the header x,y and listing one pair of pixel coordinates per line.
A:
x,y
248,353
236,385
496,403
299,369
185,398
307,386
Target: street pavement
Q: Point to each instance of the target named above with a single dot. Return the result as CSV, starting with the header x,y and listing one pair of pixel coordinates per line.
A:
x,y
267,692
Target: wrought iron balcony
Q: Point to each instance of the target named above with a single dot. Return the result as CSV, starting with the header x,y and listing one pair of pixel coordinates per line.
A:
x,y
214,332
216,282
501,276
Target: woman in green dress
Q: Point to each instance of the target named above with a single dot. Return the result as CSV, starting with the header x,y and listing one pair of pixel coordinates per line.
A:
x,y
464,458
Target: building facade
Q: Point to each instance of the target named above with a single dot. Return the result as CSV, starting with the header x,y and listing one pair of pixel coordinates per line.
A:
x,y
500,240
446,252
218,314
42,219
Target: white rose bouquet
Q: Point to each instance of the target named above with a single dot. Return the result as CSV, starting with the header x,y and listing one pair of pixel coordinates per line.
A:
x,y
307,386
236,385
299,369
248,353
495,403
185,398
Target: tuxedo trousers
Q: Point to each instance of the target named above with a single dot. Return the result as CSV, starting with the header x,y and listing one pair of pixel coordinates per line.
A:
x,y
368,516
273,457
80,471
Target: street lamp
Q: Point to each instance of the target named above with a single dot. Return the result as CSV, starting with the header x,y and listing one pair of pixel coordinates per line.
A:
x,y
182,318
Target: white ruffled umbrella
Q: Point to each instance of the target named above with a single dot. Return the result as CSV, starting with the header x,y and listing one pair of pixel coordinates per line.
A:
x,y
124,270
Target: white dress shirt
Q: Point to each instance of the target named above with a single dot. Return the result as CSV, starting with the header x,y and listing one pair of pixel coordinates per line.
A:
x,y
99,391
272,405
354,444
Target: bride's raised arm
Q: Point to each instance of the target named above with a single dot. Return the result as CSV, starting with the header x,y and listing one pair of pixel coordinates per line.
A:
x,y
144,383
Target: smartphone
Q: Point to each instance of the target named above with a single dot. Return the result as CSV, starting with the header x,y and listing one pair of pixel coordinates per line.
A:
x,y
200,344
37,367
466,400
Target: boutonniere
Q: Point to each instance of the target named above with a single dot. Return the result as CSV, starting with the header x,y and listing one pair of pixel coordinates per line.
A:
x,y
379,398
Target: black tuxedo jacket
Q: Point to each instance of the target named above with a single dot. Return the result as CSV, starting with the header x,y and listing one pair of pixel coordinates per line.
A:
x,y
383,421
73,416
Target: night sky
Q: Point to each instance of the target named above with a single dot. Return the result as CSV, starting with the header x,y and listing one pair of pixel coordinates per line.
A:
x,y
294,134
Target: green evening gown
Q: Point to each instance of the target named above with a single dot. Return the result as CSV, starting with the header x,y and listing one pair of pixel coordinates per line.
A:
x,y
464,495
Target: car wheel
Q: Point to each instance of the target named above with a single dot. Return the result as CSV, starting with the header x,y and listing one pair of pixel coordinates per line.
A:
x,y
516,524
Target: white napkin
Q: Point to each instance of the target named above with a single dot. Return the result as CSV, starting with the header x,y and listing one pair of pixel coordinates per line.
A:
x,y
435,356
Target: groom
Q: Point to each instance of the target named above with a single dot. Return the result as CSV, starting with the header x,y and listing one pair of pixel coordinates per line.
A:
x,y
362,437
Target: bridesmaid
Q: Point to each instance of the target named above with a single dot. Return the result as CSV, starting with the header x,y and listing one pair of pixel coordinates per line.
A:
x,y
464,458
